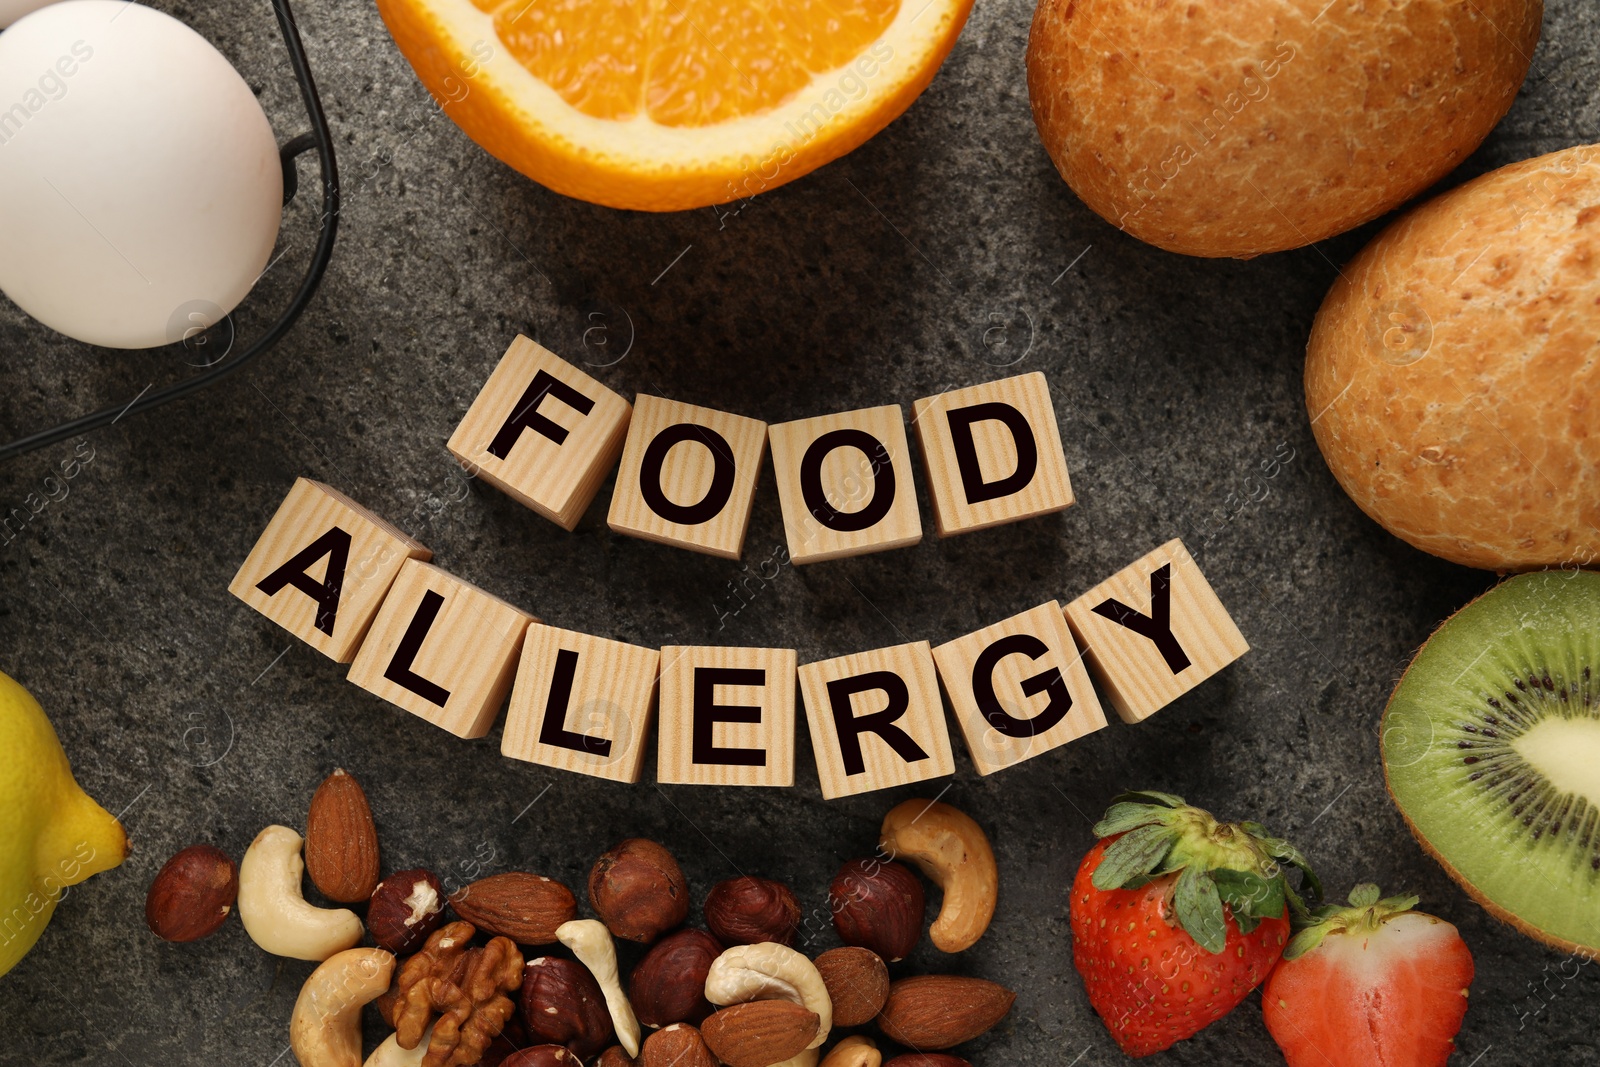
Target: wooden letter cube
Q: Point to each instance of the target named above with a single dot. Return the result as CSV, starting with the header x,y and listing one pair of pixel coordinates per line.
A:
x,y
688,476
727,716
543,431
442,649
322,567
581,703
876,720
993,454
845,483
1019,688
1153,631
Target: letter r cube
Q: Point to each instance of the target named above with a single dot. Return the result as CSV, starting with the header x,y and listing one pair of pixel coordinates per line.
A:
x,y
876,720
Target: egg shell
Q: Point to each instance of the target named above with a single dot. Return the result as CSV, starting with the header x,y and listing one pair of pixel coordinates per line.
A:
x,y
12,10
1453,374
140,184
1237,127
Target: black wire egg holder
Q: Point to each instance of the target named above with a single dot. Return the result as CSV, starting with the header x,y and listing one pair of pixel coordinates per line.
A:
x,y
222,366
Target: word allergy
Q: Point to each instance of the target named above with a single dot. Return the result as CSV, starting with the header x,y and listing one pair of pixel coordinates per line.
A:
x,y
359,590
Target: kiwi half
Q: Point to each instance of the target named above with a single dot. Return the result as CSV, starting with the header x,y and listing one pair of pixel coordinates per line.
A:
x,y
1491,749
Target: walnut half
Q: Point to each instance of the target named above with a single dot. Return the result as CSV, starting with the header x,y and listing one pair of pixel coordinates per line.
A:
x,y
466,986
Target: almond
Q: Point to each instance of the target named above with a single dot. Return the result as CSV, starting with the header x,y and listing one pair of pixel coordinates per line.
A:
x,y
934,1011
525,907
341,840
760,1032
857,981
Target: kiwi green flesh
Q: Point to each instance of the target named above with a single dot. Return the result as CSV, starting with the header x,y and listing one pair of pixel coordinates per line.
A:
x,y
1491,747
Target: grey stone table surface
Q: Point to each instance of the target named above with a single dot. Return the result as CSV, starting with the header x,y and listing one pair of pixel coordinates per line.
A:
x,y
944,252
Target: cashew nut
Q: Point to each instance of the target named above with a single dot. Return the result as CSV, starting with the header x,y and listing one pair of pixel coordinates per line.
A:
x,y
390,1054
951,849
857,1051
274,913
770,971
325,1029
590,941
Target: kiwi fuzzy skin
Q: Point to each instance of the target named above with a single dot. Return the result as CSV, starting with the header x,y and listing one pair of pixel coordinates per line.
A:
x,y
1478,897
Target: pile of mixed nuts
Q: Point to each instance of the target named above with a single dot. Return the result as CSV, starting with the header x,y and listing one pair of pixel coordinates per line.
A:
x,y
461,993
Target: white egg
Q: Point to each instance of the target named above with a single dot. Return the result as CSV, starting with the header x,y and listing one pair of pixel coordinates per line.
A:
x,y
140,185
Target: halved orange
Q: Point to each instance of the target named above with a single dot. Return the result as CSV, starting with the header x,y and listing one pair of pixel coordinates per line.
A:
x,y
662,105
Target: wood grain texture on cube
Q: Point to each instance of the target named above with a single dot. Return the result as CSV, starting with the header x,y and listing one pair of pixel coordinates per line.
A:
x,y
943,423
1165,594
855,493
599,720
746,708
509,435
892,736
320,539
704,467
442,649
1019,688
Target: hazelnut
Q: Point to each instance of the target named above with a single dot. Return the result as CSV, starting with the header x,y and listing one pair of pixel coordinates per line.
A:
x,y
562,1004
512,1038
858,984
616,1056
192,894
749,911
669,984
542,1056
678,1045
877,904
405,908
638,890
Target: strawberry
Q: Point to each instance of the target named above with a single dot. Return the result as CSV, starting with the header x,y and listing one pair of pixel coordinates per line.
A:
x,y
1372,983
1176,917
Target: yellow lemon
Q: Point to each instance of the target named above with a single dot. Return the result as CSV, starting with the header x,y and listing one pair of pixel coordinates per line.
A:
x,y
662,105
52,835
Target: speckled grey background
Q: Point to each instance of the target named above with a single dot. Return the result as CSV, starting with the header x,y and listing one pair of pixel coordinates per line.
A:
x,y
944,252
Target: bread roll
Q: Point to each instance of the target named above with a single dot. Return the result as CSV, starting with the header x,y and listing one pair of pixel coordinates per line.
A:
x,y
1453,374
1237,127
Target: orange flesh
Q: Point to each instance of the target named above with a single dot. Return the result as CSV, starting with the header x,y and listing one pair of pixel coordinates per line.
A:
x,y
684,62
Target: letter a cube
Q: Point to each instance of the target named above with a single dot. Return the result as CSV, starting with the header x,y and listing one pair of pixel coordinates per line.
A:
x,y
322,567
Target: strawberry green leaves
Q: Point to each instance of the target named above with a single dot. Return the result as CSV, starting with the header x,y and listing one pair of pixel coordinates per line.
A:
x,y
1136,853
1199,909
1251,897
1283,852
1223,869
1368,910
